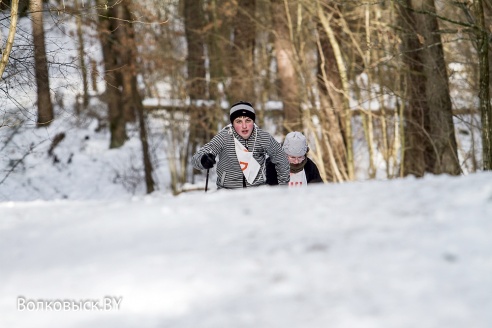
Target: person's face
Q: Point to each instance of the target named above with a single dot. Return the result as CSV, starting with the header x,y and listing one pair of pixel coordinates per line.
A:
x,y
243,126
295,159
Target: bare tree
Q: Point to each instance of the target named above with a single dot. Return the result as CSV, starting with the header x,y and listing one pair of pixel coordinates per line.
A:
x,y
201,118
195,61
432,121
487,7
218,28
81,53
108,24
338,89
45,106
332,108
242,53
484,92
10,38
131,95
283,12
417,143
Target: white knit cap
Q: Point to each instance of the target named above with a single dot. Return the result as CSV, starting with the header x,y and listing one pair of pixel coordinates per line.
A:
x,y
295,144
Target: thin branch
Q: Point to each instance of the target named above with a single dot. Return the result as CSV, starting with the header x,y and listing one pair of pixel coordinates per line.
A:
x,y
436,16
31,148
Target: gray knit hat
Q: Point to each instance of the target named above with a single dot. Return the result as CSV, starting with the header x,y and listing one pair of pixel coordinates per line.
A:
x,y
242,108
295,144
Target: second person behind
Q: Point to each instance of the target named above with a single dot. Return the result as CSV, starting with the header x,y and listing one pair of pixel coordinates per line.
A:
x,y
303,170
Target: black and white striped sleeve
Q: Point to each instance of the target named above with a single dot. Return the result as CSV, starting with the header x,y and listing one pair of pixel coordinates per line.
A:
x,y
214,147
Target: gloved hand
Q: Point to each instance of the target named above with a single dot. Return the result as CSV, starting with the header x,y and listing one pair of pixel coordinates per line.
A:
x,y
208,160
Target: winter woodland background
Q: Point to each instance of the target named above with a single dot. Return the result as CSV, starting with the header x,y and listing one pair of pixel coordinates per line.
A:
x,y
382,89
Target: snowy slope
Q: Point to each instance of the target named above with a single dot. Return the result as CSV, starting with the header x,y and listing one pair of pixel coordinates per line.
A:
x,y
398,254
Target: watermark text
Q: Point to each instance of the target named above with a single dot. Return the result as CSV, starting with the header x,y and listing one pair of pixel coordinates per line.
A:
x,y
107,303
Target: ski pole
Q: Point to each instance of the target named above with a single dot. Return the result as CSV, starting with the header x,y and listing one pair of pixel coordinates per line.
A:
x,y
206,183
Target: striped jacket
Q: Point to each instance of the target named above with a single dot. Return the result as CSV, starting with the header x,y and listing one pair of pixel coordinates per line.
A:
x,y
229,174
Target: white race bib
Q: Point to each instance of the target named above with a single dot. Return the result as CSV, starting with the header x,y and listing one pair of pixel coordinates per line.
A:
x,y
249,165
298,179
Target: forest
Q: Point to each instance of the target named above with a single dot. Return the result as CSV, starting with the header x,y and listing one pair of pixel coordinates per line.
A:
x,y
382,89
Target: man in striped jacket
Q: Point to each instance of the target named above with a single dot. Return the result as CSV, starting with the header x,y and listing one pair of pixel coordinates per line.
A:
x,y
242,148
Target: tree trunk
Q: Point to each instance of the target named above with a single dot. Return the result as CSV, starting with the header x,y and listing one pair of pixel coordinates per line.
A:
x,y
201,119
127,53
112,62
10,38
148,167
219,20
286,70
417,147
195,62
437,93
81,53
132,97
242,54
433,122
45,107
487,12
484,91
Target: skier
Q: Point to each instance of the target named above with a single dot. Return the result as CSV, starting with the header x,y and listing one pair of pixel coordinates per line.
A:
x,y
241,148
303,170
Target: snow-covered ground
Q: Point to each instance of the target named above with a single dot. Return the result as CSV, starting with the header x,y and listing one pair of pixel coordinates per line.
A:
x,y
397,254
